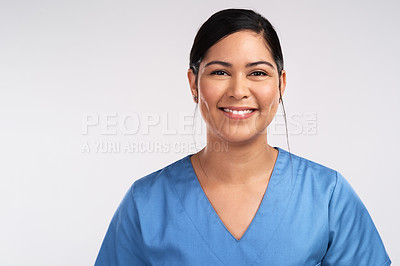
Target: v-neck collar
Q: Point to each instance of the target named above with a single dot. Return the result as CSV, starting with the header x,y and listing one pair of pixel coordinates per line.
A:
x,y
262,227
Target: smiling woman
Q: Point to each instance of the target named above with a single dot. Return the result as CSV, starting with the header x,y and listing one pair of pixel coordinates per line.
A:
x,y
249,203
238,88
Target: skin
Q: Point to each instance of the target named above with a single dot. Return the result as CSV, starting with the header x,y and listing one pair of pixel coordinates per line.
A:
x,y
235,177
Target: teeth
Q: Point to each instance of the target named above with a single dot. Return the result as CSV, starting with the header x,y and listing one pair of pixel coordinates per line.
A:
x,y
242,112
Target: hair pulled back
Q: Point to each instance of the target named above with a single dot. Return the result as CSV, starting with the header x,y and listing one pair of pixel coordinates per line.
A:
x,y
228,21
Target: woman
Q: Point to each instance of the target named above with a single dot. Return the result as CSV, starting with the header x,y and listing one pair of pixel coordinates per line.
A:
x,y
240,201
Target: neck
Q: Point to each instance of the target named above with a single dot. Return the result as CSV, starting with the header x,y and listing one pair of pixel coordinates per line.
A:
x,y
234,163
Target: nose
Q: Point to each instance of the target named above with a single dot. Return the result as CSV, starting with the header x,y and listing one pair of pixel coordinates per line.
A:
x,y
238,88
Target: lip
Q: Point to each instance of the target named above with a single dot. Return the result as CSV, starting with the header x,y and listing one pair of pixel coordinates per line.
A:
x,y
238,108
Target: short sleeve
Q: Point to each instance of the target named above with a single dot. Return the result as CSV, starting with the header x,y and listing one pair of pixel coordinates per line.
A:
x,y
353,237
122,244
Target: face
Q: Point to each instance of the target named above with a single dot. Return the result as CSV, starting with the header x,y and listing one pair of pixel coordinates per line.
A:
x,y
238,88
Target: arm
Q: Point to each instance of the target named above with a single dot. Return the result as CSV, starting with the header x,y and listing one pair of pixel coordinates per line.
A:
x,y
122,244
353,238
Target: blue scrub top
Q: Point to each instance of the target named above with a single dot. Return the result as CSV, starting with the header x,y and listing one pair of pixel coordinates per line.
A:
x,y
309,215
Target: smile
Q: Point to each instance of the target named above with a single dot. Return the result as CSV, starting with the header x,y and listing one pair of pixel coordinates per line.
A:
x,y
238,112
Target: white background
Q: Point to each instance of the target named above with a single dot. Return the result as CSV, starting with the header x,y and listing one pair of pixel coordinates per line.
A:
x,y
62,61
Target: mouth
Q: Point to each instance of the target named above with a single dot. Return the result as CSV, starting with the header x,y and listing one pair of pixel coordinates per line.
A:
x,y
242,112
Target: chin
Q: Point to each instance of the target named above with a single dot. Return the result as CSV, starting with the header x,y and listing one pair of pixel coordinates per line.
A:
x,y
237,132
238,137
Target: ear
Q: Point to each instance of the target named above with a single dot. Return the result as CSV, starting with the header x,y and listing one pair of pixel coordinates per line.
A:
x,y
192,83
282,82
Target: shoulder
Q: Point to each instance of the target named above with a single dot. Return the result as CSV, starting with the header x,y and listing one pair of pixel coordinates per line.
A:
x,y
310,171
157,183
155,199
352,236
312,181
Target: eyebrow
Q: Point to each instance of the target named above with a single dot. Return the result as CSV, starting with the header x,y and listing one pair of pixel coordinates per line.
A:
x,y
226,64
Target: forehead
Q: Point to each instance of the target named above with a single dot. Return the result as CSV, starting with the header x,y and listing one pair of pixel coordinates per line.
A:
x,y
239,47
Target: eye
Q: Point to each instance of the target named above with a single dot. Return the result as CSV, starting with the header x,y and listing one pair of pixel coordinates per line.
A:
x,y
259,73
219,73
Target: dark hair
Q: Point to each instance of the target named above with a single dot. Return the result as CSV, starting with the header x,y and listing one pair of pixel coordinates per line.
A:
x,y
228,21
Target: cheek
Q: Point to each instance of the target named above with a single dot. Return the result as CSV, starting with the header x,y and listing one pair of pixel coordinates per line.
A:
x,y
207,99
268,98
210,93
